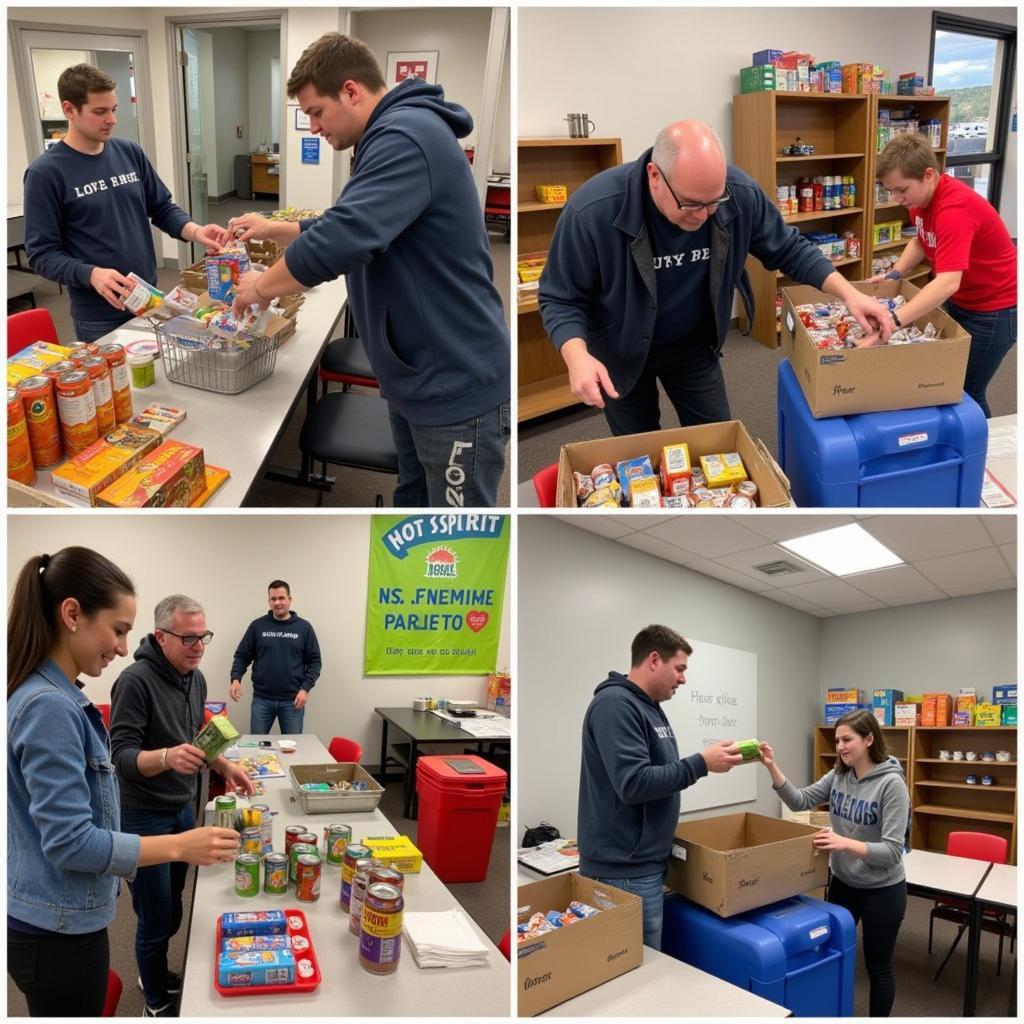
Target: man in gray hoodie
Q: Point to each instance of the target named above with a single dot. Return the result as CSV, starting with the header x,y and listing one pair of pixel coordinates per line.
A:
x,y
870,807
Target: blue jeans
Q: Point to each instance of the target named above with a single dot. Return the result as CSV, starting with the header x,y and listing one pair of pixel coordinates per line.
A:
x,y
156,898
456,466
992,336
93,330
650,888
265,709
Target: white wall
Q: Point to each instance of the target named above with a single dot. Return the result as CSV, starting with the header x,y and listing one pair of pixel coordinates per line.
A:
x,y
501,162
629,71
17,156
262,47
230,90
582,599
458,34
225,562
204,43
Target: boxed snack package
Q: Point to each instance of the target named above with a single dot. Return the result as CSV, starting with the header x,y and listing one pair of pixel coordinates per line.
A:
x,y
988,715
82,477
215,737
676,470
224,270
170,476
629,470
883,702
1009,714
397,852
1004,694
161,418
253,922
906,714
256,967
836,696
723,469
936,709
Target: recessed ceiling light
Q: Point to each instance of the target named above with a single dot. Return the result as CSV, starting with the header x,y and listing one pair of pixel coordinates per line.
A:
x,y
843,551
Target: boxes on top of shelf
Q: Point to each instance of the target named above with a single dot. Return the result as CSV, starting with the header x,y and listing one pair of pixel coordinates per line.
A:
x,y
988,716
963,719
862,78
833,712
906,84
836,696
826,77
1004,694
766,56
1009,714
936,709
906,714
762,78
883,703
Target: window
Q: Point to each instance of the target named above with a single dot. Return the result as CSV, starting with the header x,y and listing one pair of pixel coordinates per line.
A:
x,y
972,62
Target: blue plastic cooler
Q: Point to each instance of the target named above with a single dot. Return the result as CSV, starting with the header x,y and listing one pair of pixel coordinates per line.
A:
x,y
799,953
914,458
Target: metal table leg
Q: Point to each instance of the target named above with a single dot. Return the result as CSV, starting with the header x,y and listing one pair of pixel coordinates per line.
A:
x,y
410,778
973,950
383,751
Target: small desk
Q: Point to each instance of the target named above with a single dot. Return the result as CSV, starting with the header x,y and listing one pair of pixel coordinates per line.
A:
x,y
421,727
346,990
998,891
262,179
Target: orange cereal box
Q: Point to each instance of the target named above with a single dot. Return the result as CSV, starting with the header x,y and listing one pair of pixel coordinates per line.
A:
x,y
171,476
81,478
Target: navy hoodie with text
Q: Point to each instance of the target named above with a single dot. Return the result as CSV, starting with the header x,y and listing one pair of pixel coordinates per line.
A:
x,y
408,233
630,778
284,654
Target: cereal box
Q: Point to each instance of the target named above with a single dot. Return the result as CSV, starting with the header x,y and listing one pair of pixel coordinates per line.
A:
x,y
629,470
171,476
397,852
81,478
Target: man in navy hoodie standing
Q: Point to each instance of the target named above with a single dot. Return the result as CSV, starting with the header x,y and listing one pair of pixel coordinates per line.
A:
x,y
408,233
631,774
89,202
285,658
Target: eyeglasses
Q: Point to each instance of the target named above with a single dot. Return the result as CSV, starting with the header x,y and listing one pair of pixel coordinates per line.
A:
x,y
191,639
693,207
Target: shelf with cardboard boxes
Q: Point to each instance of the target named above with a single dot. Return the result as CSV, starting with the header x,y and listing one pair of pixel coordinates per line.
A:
x,y
543,381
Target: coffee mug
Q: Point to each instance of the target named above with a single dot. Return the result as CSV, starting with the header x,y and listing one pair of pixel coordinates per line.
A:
x,y
958,755
580,126
943,755
972,755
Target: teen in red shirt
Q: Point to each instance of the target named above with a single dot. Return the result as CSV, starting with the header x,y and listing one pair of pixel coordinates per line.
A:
x,y
966,243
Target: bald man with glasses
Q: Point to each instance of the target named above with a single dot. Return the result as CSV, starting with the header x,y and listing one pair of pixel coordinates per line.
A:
x,y
640,276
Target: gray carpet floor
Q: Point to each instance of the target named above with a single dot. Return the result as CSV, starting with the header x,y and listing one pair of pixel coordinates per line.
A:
x,y
354,488
486,902
750,373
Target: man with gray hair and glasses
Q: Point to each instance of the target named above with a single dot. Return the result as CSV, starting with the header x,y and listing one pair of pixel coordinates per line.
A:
x,y
156,711
642,269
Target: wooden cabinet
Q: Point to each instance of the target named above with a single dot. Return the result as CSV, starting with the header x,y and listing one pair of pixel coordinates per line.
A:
x,y
837,125
262,179
941,799
543,382
897,741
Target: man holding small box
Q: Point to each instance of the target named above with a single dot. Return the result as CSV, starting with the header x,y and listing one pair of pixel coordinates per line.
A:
x,y
156,712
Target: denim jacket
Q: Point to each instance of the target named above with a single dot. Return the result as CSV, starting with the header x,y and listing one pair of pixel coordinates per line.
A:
x,y
64,853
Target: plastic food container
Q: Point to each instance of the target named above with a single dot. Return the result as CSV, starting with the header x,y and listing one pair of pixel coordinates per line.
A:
x,y
332,802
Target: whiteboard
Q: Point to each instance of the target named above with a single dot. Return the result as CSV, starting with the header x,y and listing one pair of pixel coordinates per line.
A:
x,y
719,701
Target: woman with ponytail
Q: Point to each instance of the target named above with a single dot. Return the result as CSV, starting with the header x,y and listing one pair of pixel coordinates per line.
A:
x,y
70,615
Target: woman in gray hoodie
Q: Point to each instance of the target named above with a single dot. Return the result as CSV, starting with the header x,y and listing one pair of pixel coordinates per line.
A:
x,y
867,796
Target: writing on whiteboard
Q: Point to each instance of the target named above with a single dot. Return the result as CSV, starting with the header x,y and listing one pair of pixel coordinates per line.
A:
x,y
716,717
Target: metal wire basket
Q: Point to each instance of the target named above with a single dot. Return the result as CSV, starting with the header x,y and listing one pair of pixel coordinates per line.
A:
x,y
189,358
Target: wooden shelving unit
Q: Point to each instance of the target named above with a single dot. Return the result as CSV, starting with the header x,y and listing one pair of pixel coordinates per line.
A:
x,y
837,126
898,739
943,802
543,382
929,108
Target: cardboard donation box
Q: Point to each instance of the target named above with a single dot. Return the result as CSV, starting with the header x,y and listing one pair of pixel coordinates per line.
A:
x,y
563,963
739,862
880,379
708,439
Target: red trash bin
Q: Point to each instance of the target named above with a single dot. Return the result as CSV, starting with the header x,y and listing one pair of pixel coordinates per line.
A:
x,y
457,815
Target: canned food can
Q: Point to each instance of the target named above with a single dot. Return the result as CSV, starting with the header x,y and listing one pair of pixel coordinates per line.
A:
x,y
382,874
40,406
19,451
76,406
360,883
298,850
354,852
57,370
252,841
82,350
380,933
267,824
103,392
247,875
275,874
291,835
224,811
307,878
602,475
336,840
120,380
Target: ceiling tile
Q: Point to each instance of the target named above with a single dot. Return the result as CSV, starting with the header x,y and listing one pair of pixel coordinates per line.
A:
x,y
980,588
915,537
787,525
596,522
897,583
720,572
744,561
894,602
653,546
869,606
707,535
964,569
782,597
1002,526
644,520
1010,554
828,593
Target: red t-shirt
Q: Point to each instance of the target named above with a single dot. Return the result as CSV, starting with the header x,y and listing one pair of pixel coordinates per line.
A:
x,y
959,230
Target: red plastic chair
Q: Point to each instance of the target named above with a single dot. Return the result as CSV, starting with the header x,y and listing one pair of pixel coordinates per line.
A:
x,y
544,483
974,846
345,750
114,990
505,945
105,712
344,362
32,325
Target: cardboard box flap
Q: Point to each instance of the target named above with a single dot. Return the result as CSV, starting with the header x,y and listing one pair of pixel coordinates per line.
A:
x,y
773,466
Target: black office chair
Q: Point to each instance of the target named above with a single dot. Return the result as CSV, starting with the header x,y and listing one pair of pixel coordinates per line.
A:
x,y
346,428
345,362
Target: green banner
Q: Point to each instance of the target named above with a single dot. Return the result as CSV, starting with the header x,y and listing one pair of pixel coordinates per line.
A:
x,y
433,604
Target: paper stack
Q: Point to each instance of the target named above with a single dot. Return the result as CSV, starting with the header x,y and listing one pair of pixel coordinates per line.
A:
x,y
443,939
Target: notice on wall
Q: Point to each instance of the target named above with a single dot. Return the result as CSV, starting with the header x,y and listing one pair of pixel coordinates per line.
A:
x,y
435,594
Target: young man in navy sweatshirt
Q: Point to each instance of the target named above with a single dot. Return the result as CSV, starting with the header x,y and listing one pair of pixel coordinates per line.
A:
x,y
89,202
408,233
285,659
631,774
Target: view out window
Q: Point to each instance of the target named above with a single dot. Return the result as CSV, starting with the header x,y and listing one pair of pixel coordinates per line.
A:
x,y
972,62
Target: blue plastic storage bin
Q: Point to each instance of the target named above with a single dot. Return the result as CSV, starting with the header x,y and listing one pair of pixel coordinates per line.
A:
x,y
914,458
799,953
